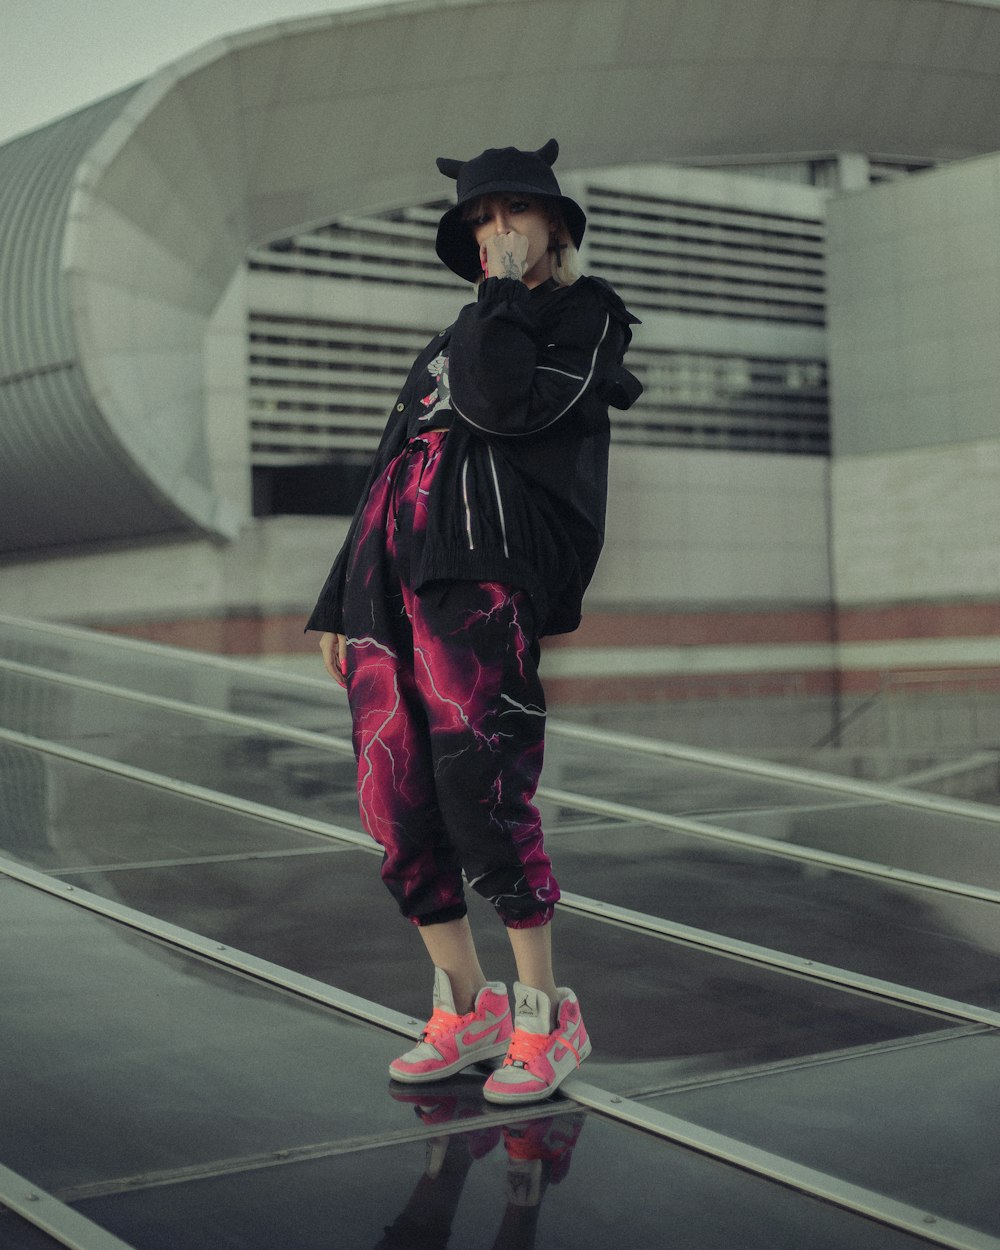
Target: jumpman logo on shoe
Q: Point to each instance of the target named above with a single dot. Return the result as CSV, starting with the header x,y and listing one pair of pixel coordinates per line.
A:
x,y
538,1061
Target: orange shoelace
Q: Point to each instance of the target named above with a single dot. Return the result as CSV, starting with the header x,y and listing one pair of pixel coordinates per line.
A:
x,y
524,1047
521,1147
443,1022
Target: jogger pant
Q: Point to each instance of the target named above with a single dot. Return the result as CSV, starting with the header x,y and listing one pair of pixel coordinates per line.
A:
x,y
448,714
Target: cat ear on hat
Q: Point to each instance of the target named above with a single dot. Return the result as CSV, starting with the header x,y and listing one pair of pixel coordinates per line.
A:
x,y
448,167
452,168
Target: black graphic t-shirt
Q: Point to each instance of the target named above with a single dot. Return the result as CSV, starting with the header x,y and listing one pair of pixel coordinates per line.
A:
x,y
435,411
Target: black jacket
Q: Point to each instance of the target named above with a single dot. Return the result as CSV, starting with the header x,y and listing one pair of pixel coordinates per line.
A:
x,y
520,491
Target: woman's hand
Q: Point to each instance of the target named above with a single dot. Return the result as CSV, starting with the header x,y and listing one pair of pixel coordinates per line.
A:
x,y
505,255
334,651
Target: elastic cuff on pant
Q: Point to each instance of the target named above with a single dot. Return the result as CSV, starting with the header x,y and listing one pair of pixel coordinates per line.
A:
x,y
534,921
455,912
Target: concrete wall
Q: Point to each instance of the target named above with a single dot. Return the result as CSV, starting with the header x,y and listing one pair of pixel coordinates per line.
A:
x,y
918,526
914,332
914,310
273,570
715,578
686,529
714,529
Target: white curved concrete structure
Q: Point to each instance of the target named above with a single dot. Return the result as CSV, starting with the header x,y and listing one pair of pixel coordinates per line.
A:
x,y
121,226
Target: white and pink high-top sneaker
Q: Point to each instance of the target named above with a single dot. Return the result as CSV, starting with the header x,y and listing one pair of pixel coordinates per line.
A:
x,y
451,1042
539,1058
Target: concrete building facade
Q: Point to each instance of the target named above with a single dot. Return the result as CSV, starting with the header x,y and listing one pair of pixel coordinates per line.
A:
x,y
133,430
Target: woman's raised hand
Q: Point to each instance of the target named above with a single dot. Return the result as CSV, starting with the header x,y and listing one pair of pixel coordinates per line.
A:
x,y
505,255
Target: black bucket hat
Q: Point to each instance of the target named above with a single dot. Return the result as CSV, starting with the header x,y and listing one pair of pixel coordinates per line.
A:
x,y
499,171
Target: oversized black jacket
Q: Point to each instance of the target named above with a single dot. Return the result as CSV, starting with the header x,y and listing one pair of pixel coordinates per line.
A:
x,y
520,490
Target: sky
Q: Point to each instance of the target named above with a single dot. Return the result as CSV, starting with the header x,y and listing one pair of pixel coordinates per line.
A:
x,y
57,55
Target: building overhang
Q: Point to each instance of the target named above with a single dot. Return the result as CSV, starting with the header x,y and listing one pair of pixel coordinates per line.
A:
x,y
165,187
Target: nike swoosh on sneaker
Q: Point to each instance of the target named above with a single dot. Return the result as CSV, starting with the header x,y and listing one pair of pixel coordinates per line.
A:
x,y
473,1039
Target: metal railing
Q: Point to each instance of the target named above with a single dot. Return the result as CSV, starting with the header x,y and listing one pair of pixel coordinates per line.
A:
x,y
924,709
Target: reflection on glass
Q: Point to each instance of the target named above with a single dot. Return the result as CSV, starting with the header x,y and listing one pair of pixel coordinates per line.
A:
x,y
538,1155
25,802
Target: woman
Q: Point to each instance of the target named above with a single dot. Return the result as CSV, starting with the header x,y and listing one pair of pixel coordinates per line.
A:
x,y
477,533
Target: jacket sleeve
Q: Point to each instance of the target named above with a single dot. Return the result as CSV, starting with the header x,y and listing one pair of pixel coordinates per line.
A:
x,y
512,374
327,615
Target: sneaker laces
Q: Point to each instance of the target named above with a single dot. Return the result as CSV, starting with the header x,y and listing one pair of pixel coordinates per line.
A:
x,y
552,1140
526,1047
442,1023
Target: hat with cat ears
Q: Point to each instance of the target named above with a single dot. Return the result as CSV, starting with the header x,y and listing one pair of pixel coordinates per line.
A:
x,y
498,171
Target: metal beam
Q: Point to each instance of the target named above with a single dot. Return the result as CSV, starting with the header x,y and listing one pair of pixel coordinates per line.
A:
x,y
61,1223
864,1202
865,790
855,1199
652,926
580,733
217,952
567,798
811,969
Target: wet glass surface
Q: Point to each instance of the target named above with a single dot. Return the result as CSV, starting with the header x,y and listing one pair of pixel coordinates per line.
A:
x,y
279,772
569,1181
319,783
936,942
18,1234
657,1011
256,691
671,786
55,814
954,847
255,1118
133,1068
123,1056
917,1123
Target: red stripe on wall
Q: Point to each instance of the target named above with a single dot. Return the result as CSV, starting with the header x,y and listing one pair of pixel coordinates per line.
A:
x,y
651,688
681,629
919,620
282,634
250,635
234,635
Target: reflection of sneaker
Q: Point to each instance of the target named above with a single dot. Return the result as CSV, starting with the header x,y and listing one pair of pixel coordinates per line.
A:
x,y
539,1153
435,1153
553,1138
538,1060
434,1106
525,1182
445,1106
451,1042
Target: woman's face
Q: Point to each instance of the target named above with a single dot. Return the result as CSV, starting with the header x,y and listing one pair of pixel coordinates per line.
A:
x,y
524,215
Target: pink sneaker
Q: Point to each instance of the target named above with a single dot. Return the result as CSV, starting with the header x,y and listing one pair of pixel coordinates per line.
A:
x,y
539,1153
451,1042
538,1061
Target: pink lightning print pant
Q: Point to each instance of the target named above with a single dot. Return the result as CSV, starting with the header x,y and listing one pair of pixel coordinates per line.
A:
x,y
448,714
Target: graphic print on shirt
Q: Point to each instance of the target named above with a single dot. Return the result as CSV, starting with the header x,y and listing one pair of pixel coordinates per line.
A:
x,y
439,400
